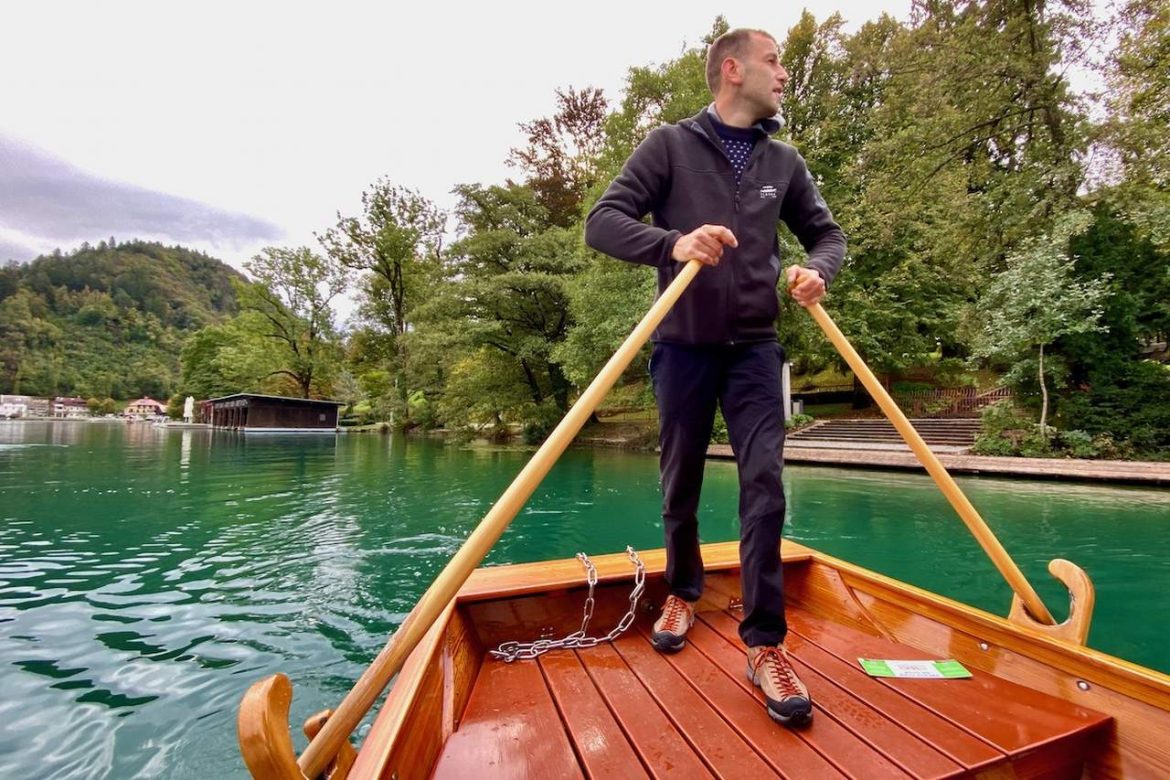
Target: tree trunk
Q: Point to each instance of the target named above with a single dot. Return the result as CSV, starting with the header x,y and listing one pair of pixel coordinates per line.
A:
x,y
560,386
533,383
1043,397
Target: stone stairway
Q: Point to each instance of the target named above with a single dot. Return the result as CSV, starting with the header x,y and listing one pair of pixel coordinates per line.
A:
x,y
943,435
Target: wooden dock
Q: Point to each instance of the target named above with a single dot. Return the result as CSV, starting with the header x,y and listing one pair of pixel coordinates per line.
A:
x,y
1124,471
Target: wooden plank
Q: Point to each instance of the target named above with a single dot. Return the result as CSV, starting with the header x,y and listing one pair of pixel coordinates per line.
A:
x,y
518,579
1011,717
462,655
510,729
961,746
665,753
825,737
408,732
600,744
548,615
784,749
921,606
824,586
722,750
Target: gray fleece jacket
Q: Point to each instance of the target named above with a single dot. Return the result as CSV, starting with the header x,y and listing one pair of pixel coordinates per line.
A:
x,y
681,176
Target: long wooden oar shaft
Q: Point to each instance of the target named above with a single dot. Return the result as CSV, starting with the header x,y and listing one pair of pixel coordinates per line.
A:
x,y
366,690
1007,567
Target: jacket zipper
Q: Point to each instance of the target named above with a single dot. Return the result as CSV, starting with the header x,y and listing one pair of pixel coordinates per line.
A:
x,y
756,151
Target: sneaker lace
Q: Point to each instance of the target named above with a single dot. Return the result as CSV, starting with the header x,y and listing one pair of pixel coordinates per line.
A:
x,y
674,613
779,671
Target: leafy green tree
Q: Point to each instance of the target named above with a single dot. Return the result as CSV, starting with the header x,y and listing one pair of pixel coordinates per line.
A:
x,y
1036,300
504,298
27,333
292,293
607,300
347,388
395,244
1116,389
967,143
1137,129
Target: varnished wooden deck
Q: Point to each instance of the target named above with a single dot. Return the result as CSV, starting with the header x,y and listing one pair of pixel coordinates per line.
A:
x,y
623,710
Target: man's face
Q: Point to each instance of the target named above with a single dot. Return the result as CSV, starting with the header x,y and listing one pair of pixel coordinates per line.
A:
x,y
764,77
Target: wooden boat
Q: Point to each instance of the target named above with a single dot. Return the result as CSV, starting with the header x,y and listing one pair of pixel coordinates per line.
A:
x,y
1038,705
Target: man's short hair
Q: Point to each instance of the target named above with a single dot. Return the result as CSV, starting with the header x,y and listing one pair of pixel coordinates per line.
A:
x,y
732,43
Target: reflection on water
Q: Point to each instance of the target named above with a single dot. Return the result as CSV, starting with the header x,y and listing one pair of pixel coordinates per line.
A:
x,y
148,576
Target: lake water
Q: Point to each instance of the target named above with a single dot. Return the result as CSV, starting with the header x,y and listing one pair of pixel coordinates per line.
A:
x,y
147,577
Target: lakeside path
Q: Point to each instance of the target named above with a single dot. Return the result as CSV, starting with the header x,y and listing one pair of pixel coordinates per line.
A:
x,y
1134,472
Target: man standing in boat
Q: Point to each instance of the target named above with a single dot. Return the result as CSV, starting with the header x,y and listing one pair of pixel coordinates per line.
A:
x,y
716,186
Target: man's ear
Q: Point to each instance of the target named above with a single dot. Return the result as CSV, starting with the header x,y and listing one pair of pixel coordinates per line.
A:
x,y
731,71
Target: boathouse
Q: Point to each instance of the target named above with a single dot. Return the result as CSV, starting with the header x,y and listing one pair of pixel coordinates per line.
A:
x,y
253,413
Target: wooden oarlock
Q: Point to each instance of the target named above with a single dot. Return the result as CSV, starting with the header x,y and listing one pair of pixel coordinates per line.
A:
x,y
258,708
1027,607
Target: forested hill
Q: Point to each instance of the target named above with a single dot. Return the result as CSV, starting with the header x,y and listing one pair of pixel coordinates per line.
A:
x,y
107,321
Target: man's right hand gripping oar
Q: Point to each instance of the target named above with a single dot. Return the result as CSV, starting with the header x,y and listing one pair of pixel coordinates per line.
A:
x,y
704,244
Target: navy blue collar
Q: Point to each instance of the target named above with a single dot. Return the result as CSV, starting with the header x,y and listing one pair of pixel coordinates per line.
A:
x,y
767,126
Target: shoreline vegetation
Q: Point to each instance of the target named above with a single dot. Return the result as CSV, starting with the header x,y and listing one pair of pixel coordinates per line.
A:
x,y
1006,231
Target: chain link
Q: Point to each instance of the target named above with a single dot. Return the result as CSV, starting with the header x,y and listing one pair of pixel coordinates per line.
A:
x,y
511,651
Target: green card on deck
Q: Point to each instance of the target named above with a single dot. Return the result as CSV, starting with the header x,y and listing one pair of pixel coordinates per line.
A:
x,y
927,670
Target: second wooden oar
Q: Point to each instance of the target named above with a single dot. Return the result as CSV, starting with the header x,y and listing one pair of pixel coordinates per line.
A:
x,y
987,540
366,690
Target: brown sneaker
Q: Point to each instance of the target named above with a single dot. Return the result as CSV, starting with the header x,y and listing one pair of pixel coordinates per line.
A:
x,y
770,669
670,630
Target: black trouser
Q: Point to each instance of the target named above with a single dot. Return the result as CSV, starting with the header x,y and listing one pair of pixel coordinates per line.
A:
x,y
745,381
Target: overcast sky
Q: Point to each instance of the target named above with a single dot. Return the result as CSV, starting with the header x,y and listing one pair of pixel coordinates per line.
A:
x,y
231,126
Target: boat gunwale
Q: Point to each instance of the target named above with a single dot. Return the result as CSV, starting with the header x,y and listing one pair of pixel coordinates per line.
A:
x,y
379,744
524,579
1089,662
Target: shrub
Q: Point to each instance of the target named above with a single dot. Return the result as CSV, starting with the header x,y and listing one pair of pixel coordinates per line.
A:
x,y
1078,444
1110,449
993,445
1037,444
798,421
719,430
538,421
1131,405
1004,428
953,372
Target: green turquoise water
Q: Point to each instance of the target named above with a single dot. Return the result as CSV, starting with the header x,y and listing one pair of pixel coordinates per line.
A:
x,y
147,577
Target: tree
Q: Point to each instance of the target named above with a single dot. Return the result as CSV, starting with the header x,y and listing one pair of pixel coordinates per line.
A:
x,y
562,154
1035,301
1138,127
396,244
966,141
292,292
504,297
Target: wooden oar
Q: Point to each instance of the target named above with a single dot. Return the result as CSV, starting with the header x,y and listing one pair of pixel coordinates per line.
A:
x,y
987,540
368,687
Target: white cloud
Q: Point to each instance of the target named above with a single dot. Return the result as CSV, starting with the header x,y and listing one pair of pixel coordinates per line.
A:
x,y
288,112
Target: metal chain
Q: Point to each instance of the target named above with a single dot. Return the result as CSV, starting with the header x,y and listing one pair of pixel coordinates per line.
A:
x,y
510,651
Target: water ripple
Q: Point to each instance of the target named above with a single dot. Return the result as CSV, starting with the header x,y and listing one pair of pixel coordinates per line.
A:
x,y
147,578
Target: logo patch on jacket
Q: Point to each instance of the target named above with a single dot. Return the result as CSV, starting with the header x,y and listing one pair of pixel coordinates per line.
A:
x,y
767,191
